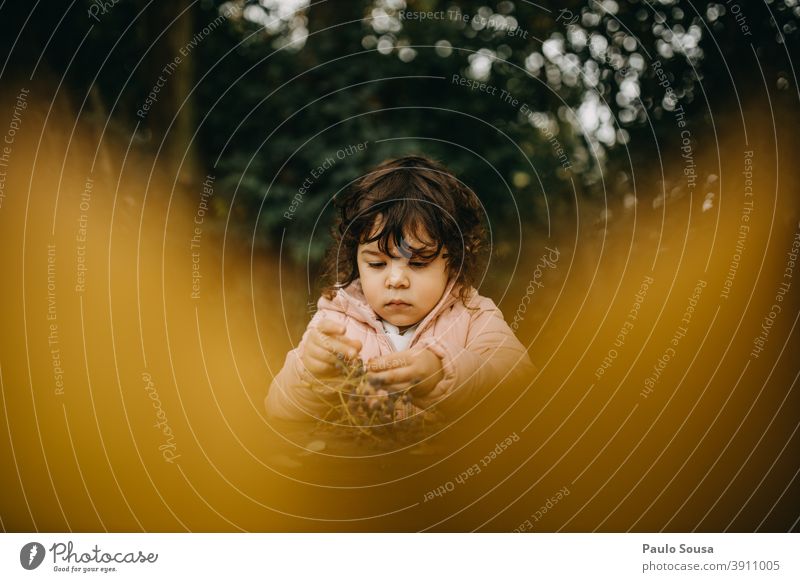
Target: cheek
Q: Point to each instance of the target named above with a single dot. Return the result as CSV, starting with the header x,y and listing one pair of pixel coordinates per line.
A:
x,y
363,271
433,283
369,281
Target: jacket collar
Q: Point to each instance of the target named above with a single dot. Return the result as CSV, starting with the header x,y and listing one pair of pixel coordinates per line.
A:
x,y
351,301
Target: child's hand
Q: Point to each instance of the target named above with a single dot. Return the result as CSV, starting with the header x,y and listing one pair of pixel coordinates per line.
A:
x,y
325,346
418,369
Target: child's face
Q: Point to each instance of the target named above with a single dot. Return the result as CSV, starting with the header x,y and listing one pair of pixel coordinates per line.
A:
x,y
417,283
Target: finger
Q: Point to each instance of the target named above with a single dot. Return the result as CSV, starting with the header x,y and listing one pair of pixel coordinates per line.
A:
x,y
405,356
326,358
389,362
419,390
318,366
353,343
392,378
327,365
329,330
338,348
335,342
328,326
316,369
322,342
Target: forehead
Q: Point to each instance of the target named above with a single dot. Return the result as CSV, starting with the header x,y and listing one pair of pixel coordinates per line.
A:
x,y
409,230
408,240
372,249
409,245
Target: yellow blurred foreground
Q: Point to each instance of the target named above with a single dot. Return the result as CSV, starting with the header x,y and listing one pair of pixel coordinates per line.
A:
x,y
137,347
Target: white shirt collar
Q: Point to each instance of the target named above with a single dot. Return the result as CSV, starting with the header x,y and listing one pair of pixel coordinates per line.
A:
x,y
399,340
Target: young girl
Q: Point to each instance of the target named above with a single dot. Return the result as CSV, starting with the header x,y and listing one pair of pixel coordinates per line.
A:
x,y
400,296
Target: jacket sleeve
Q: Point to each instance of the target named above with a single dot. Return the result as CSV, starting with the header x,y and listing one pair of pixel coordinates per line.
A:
x,y
294,393
492,356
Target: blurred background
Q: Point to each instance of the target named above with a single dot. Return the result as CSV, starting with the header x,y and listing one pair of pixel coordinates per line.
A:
x,y
167,173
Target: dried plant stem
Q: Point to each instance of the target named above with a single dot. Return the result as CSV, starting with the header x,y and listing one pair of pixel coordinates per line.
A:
x,y
372,411
352,419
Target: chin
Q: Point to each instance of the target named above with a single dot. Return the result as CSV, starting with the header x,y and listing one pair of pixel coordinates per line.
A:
x,y
401,321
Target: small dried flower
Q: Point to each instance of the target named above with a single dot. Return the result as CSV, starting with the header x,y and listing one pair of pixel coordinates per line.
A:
x,y
376,413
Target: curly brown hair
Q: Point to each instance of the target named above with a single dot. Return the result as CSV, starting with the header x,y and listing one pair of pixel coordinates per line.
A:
x,y
411,195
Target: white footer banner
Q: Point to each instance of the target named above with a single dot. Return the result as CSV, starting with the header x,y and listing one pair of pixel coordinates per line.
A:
x,y
390,556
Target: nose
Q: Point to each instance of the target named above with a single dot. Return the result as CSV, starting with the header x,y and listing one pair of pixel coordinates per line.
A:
x,y
397,276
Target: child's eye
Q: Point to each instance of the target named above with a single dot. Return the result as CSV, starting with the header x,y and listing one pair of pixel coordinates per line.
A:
x,y
418,264
376,265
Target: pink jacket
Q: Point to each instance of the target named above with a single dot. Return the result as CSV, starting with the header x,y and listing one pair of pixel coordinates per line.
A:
x,y
477,348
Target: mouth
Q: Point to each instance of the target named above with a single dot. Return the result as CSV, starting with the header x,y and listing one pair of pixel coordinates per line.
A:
x,y
398,304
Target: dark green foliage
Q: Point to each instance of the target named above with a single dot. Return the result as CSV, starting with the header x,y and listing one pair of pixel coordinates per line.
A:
x,y
268,112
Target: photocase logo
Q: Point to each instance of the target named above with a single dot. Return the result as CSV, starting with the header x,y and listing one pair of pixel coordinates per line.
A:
x,y
31,555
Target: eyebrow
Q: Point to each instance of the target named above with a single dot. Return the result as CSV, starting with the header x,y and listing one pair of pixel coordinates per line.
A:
x,y
414,256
